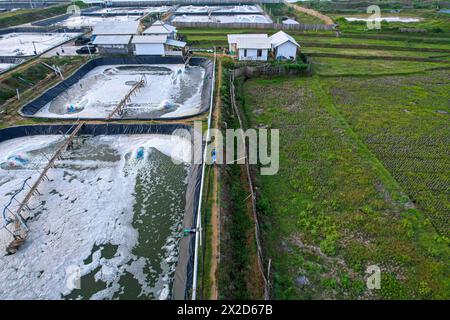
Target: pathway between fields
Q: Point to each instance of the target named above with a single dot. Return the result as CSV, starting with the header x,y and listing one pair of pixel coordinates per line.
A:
x,y
215,209
311,12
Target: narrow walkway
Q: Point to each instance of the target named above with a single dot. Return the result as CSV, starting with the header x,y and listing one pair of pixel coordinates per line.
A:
x,y
311,12
215,210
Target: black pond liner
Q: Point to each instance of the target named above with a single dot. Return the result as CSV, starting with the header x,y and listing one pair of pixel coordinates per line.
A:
x,y
184,271
30,109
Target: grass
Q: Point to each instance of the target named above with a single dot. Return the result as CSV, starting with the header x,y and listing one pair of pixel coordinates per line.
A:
x,y
325,66
408,132
280,11
22,16
238,274
31,79
333,209
372,52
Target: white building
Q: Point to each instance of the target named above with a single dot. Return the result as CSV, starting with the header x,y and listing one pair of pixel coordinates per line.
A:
x,y
161,28
284,46
113,28
157,45
233,39
113,44
114,37
290,21
249,46
253,49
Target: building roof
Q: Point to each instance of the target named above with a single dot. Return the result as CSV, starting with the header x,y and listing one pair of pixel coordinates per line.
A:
x,y
116,28
233,38
176,43
281,37
253,43
160,27
110,40
290,21
150,39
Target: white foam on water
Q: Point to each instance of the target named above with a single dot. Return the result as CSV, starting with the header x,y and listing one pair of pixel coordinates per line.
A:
x,y
236,18
78,209
100,91
91,21
219,9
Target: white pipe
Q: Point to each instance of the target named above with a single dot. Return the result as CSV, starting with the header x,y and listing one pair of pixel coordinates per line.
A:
x,y
199,213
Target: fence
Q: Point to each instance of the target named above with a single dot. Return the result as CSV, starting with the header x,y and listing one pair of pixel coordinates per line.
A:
x,y
249,25
253,71
187,2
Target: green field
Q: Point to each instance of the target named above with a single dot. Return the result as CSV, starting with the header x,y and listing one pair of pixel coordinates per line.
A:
x,y
335,208
280,11
22,16
359,67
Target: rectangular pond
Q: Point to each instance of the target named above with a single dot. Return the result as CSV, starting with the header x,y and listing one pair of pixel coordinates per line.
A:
x,y
111,212
219,9
170,91
91,21
217,18
24,44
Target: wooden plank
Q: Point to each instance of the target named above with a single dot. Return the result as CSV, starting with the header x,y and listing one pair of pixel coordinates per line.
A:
x,y
126,98
49,165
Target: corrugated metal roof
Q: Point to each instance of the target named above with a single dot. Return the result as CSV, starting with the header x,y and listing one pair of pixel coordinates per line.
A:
x,y
176,43
253,44
150,39
290,21
160,28
281,37
105,40
116,27
233,38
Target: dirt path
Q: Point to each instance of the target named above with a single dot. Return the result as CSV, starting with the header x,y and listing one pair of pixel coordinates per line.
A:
x,y
215,210
311,12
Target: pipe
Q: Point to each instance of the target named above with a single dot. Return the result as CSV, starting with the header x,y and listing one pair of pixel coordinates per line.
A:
x,y
199,214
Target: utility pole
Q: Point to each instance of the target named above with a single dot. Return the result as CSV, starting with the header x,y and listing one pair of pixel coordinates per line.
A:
x,y
34,46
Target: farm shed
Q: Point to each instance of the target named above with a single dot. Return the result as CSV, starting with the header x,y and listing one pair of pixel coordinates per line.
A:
x,y
253,49
161,28
233,40
113,44
157,45
116,28
284,46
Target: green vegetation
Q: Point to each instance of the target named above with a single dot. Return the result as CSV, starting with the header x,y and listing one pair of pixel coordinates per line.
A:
x,y
361,67
238,275
280,11
29,77
205,257
408,132
15,18
349,6
333,209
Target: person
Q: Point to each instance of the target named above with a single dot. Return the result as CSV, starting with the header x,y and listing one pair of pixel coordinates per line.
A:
x,y
62,49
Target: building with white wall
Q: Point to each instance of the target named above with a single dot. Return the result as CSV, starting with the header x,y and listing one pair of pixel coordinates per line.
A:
x,y
284,46
233,40
157,45
114,37
253,49
161,28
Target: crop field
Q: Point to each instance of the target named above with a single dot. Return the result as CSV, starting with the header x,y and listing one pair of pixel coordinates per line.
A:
x,y
334,209
408,132
358,67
